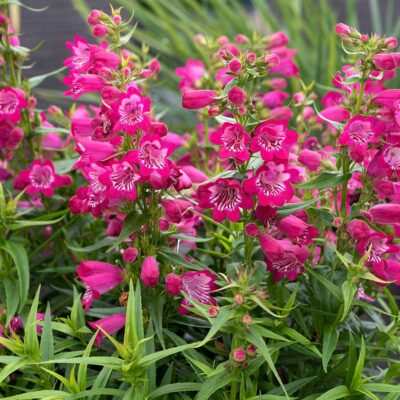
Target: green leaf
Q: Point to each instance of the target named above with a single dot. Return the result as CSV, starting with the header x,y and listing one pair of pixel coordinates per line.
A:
x,y
12,367
19,256
349,290
19,224
31,343
255,338
35,81
359,366
214,383
175,388
96,246
46,341
329,345
291,208
380,387
326,180
336,393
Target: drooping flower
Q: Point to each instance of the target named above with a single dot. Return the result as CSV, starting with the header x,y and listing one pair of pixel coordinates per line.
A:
x,y
377,244
233,139
271,184
297,230
386,214
194,99
198,285
133,110
83,83
111,325
225,197
40,177
98,278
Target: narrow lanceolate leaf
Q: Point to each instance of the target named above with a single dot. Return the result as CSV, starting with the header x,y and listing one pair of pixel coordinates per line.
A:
x,y
326,180
213,384
329,345
339,392
349,290
20,259
175,388
291,208
356,380
256,339
47,342
31,343
131,337
37,80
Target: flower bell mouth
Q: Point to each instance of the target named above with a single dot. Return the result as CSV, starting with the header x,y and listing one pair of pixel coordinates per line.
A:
x,y
41,176
360,132
271,141
152,155
125,178
225,197
8,102
131,110
233,139
270,183
392,157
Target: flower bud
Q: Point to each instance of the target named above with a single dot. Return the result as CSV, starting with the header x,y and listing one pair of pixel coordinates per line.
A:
x,y
387,62
130,254
252,229
251,350
117,19
238,299
239,355
213,311
247,320
100,31
94,17
109,94
173,284
343,30
213,111
150,272
251,58
239,38
235,65
391,42
54,110
358,230
195,99
237,96
337,222
200,39
154,66
242,110
163,224
386,214
310,159
271,60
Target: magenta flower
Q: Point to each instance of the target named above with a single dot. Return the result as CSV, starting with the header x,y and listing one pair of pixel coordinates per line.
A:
x,y
12,100
274,98
198,285
82,83
310,159
297,230
132,109
271,184
41,178
194,99
385,214
191,74
121,180
92,151
10,135
152,157
290,264
387,62
271,139
387,270
233,139
98,278
358,132
150,271
225,197
173,284
377,244
111,325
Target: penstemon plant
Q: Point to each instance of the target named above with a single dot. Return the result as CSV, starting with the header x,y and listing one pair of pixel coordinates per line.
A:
x,y
247,259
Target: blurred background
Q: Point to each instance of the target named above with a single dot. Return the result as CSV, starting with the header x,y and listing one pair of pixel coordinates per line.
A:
x,y
168,27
